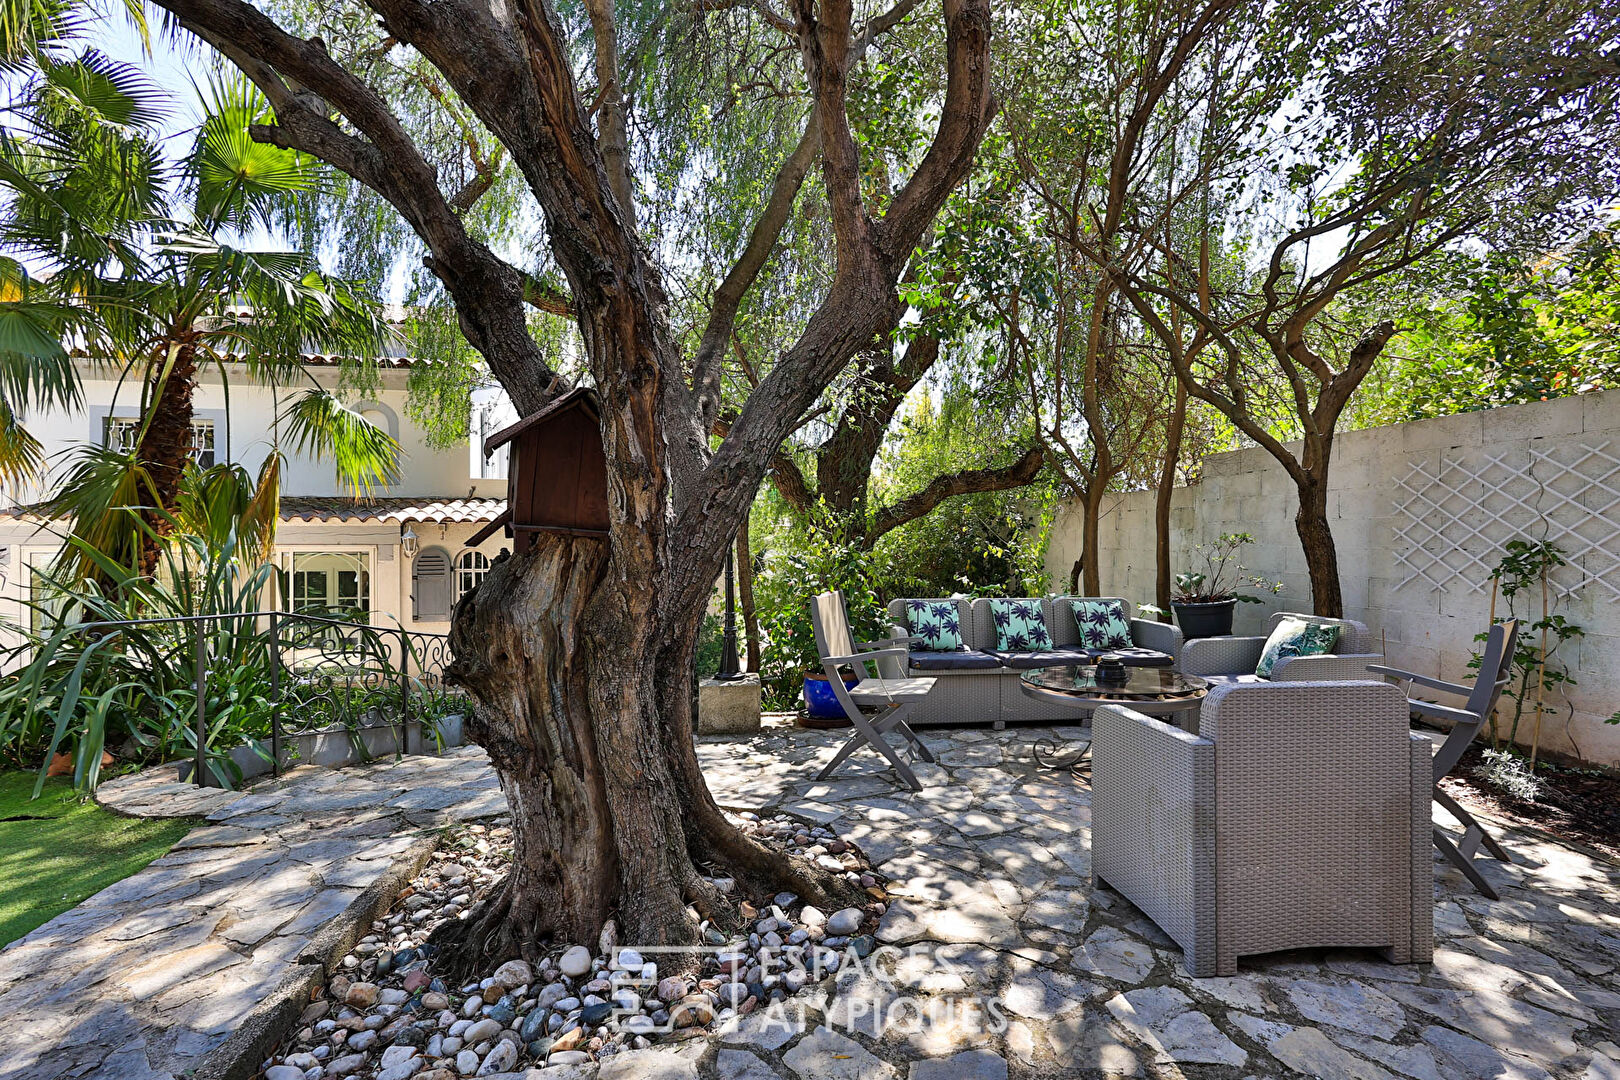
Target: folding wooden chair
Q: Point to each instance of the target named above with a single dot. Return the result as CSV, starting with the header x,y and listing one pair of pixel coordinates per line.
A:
x,y
875,706
1494,671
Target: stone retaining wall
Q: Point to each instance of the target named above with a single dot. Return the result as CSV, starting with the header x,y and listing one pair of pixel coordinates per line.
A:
x,y
1420,512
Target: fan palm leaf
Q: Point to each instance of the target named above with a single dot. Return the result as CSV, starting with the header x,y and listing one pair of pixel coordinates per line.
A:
x,y
364,455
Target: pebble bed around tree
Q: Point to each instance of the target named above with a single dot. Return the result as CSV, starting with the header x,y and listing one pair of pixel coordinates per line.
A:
x,y
386,1015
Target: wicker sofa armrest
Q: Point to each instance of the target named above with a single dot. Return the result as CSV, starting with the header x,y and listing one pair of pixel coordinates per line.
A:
x,y
1153,824
1329,667
1151,634
1221,655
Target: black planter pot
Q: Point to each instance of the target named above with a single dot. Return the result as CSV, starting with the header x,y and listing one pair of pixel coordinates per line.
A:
x,y
1213,619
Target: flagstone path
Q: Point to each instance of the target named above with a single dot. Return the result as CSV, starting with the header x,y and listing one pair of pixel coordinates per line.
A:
x,y
992,918
148,975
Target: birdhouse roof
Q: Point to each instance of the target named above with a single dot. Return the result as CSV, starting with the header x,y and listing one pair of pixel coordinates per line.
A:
x,y
579,397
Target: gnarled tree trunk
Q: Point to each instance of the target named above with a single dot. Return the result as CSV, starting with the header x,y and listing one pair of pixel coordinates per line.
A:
x,y
594,751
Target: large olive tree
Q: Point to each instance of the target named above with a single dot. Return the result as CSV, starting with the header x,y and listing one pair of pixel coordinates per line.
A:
x,y
578,652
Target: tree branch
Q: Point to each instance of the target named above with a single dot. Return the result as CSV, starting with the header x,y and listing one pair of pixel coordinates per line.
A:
x,y
970,481
967,111
383,157
723,308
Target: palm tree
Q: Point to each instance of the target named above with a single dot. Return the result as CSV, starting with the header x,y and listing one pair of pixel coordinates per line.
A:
x,y
145,272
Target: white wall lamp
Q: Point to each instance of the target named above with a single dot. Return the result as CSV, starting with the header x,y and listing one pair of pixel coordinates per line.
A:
x,y
408,543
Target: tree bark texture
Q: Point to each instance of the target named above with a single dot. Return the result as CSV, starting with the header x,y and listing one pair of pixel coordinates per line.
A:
x,y
1091,540
610,812
1316,532
1163,579
166,443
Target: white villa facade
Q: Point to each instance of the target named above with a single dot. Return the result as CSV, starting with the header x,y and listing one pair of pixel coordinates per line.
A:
x,y
403,557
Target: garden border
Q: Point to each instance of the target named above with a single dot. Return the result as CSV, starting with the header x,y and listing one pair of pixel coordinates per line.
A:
x,y
238,1057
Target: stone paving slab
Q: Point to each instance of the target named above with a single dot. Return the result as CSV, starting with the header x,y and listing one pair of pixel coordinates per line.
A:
x,y
991,903
147,976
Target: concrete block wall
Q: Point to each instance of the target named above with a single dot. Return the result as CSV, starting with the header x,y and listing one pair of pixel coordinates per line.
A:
x,y
1423,628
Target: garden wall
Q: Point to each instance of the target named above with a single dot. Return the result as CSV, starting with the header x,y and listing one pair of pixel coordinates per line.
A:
x,y
1420,513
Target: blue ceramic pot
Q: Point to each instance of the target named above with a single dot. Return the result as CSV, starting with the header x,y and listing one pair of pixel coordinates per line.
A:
x,y
819,701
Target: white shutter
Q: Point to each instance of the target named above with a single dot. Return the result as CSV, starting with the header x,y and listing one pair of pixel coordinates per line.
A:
x,y
430,586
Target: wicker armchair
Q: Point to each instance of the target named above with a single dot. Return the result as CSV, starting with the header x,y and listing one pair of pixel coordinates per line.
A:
x,y
1233,659
1297,817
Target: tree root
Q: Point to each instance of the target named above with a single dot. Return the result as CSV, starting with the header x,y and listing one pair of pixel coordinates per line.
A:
x,y
494,932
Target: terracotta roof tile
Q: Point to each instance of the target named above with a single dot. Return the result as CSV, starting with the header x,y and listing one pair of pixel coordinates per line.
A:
x,y
433,511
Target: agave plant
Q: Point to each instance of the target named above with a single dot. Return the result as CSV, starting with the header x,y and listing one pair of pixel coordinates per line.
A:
x,y
112,667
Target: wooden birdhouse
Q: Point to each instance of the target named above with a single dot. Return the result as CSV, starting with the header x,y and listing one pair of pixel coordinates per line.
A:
x,y
556,472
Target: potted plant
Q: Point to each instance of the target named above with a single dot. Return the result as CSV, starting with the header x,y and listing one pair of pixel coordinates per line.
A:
x,y
821,707
1205,599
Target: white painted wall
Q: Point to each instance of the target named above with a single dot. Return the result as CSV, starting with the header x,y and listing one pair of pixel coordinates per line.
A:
x,y
424,472
1516,470
253,407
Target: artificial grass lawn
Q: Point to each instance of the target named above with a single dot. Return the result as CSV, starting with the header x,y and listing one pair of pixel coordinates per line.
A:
x,y
60,848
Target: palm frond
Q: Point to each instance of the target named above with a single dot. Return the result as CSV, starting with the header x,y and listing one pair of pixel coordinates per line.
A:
x,y
238,182
364,454
256,525
102,492
108,91
22,458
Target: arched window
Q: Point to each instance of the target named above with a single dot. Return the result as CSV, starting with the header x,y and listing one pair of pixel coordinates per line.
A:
x,y
470,570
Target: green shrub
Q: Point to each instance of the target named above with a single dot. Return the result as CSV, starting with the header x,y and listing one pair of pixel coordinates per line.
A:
x,y
783,589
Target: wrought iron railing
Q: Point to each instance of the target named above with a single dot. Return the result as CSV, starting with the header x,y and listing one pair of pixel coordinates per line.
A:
x,y
323,674
340,673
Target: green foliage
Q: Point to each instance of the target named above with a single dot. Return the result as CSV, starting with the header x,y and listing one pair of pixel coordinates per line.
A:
x,y
798,564
1506,332
985,543
1520,574
82,689
710,645
364,454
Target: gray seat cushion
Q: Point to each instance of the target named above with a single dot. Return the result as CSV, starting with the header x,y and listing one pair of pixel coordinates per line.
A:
x,y
1135,656
1248,678
954,660
1043,658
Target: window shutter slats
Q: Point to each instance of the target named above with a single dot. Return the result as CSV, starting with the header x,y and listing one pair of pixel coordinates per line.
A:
x,y
430,586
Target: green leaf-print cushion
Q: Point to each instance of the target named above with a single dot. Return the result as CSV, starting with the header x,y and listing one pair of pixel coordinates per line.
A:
x,y
1102,624
938,623
1296,637
1019,626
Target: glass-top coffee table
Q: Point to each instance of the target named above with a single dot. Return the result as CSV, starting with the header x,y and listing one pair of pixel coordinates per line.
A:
x,y
1153,691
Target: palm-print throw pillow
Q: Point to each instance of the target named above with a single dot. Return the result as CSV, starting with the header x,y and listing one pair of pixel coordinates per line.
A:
x,y
1102,624
1019,626
1296,637
939,624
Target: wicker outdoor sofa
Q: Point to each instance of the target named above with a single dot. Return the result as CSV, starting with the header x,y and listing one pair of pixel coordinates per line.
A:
x,y
1228,660
979,682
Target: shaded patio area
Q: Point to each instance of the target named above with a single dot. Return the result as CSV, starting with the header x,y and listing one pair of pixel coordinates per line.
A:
x,y
991,861
1002,960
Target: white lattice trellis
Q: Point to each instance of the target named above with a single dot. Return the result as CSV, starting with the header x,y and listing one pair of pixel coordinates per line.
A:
x,y
1453,518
